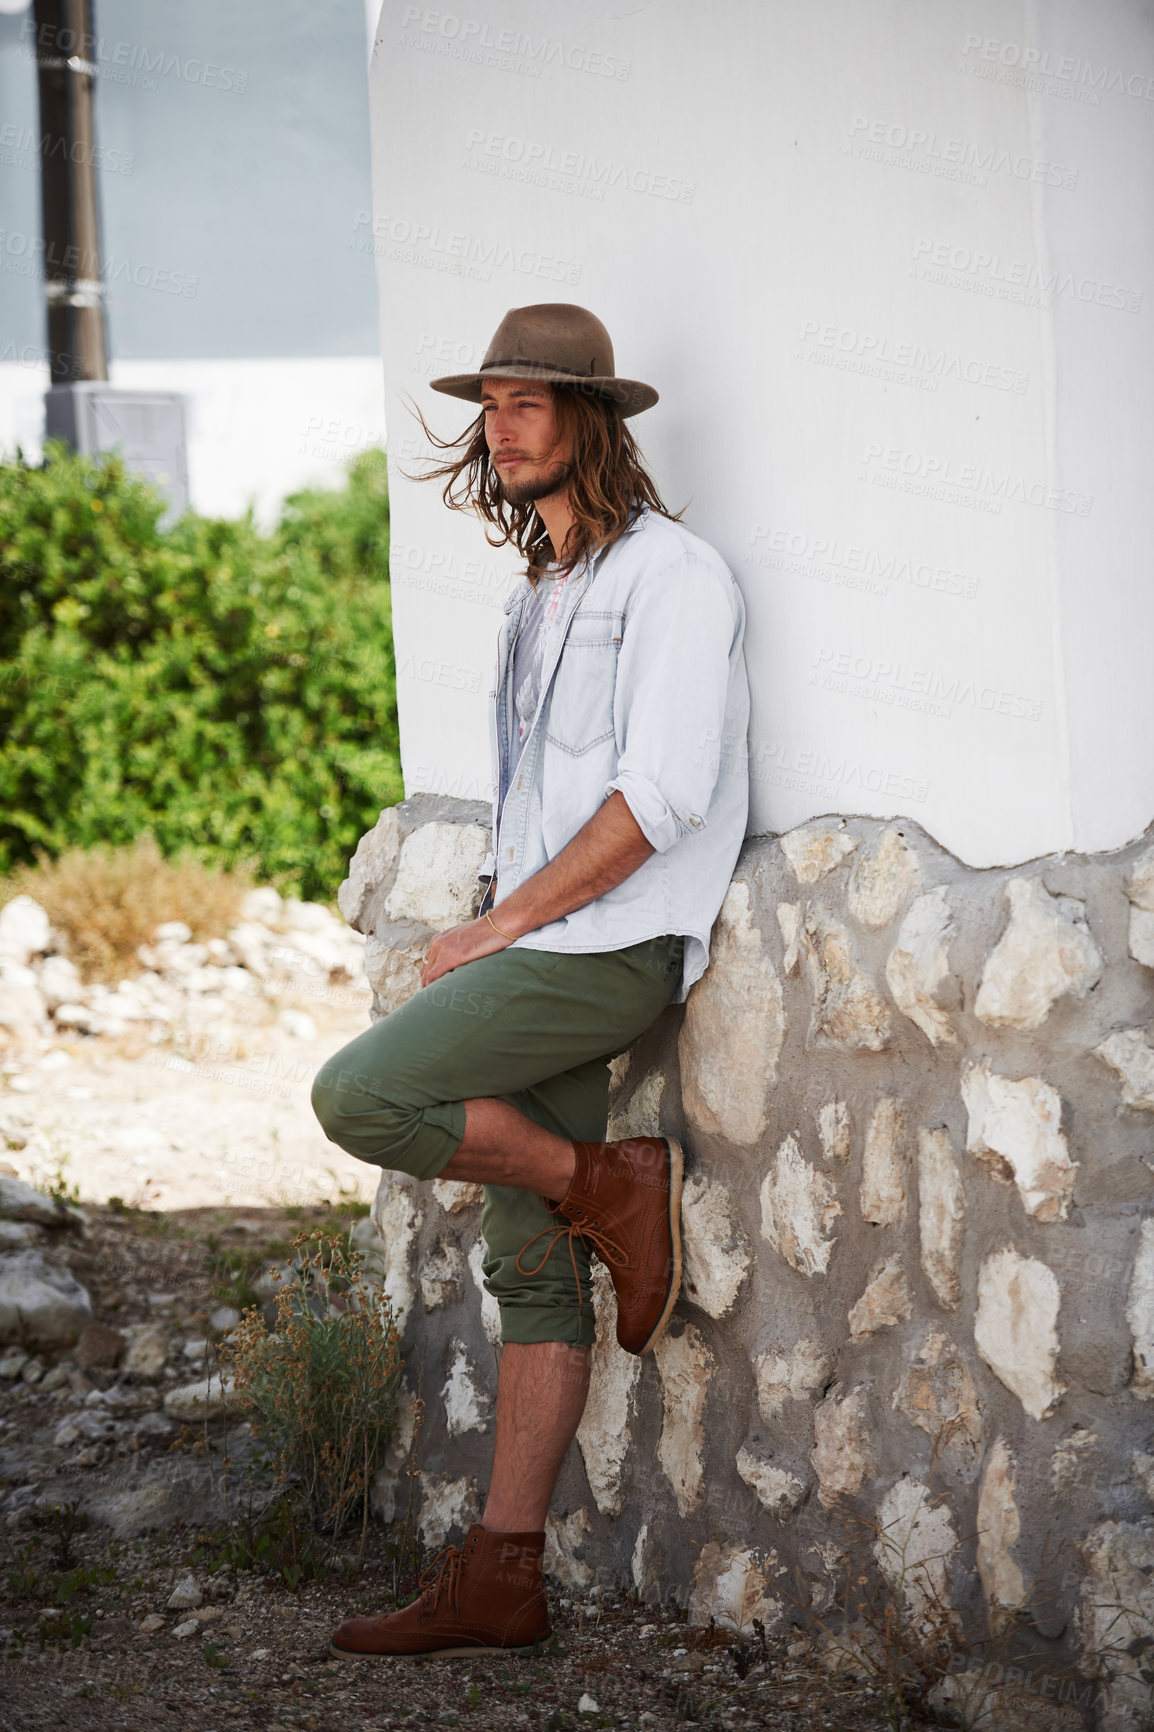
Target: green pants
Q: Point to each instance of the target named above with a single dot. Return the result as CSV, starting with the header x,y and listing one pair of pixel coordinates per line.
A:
x,y
535,1028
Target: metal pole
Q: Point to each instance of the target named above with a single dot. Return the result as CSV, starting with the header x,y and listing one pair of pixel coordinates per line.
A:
x,y
65,58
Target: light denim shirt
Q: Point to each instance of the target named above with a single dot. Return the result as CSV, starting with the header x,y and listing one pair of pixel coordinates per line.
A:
x,y
643,690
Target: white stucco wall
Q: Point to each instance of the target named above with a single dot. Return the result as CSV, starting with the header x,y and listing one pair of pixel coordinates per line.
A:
x,y
890,267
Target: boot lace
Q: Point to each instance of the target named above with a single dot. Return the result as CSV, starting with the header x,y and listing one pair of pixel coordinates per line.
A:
x,y
443,1576
579,1226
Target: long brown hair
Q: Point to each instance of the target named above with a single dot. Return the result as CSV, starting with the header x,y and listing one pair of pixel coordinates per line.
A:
x,y
608,481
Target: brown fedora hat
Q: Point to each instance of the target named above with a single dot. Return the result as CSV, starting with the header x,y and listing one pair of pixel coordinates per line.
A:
x,y
555,341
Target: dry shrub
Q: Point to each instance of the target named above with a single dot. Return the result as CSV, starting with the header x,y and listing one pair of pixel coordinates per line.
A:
x,y
322,1388
107,901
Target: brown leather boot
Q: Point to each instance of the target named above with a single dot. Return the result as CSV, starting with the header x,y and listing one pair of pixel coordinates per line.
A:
x,y
625,1204
485,1597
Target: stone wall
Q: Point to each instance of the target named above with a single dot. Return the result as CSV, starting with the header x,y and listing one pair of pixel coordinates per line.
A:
x,y
918,1312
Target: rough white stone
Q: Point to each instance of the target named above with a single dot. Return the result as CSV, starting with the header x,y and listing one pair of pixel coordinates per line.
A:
x,y
393,1480
1142,936
1066,1463
842,1455
883,1183
564,1537
41,1305
1015,1128
1143,1466
1016,1328
847,1012
937,1394
606,1430
731,1587
23,1011
1045,952
918,966
1128,1053
1115,1618
207,1398
883,876
730,1040
643,1568
639,1114
490,1310
59,981
778,1490
457,1194
441,1274
941,1215
466,1404
815,849
792,1376
146,1352
447,1504
798,1207
436,880
397,1219
25,929
1140,890
886,1300
394,970
685,1364
716,1250
998,1529
22,1202
374,862
789,924
833,1129
18,1235
913,1550
185,1595
1140,883
1140,1312
374,1253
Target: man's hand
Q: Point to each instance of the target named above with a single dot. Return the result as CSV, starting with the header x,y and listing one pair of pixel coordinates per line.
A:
x,y
458,945
603,853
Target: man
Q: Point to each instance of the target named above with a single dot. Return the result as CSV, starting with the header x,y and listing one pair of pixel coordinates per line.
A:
x,y
618,817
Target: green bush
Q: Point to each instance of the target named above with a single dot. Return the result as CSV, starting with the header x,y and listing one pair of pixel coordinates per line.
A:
x,y
230,692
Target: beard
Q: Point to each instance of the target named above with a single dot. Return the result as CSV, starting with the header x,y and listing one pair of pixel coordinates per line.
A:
x,y
527,491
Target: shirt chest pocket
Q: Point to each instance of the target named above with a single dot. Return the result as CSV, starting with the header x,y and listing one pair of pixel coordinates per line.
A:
x,y
580,713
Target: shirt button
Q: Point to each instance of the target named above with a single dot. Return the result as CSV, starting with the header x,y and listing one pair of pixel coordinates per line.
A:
x,y
518,781
510,853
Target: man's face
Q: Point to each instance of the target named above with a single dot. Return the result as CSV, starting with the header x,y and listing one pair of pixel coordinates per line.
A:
x,y
531,460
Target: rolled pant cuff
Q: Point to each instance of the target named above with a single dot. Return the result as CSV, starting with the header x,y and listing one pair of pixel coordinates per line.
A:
x,y
529,1329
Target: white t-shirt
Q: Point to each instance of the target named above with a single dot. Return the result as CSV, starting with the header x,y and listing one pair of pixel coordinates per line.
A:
x,y
530,649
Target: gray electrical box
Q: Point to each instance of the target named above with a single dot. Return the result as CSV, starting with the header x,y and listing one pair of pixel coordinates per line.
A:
x,y
146,427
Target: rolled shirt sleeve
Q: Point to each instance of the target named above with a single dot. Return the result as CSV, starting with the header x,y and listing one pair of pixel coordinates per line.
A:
x,y
670,700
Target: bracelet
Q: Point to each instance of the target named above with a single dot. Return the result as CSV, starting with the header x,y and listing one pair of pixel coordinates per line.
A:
x,y
496,928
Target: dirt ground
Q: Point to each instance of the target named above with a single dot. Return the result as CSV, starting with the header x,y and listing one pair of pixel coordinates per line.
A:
x,y
207,1118
216,1157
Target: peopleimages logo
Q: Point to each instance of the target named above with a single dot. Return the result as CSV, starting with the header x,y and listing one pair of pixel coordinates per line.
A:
x,y
893,465
128,62
461,254
523,157
990,274
1063,68
476,40
916,146
24,147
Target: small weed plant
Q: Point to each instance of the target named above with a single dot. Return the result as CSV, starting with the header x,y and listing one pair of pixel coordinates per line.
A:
x,y
322,1387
